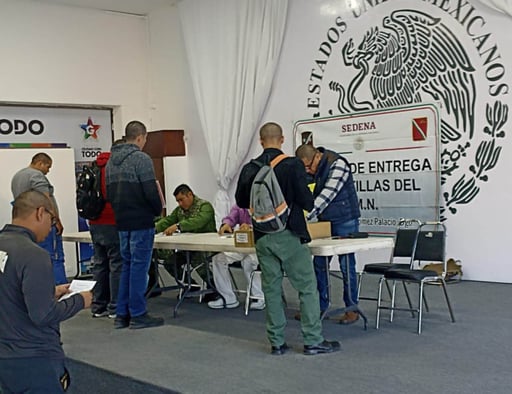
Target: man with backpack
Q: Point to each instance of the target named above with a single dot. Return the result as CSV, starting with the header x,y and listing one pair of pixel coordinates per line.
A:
x,y
107,261
284,250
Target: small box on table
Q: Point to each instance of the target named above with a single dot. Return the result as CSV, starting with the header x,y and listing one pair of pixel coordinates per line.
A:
x,y
244,238
319,230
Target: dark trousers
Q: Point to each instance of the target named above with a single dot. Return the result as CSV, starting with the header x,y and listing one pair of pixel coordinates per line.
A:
x,y
32,375
107,267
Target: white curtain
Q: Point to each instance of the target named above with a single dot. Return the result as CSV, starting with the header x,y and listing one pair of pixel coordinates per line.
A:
x,y
232,49
504,6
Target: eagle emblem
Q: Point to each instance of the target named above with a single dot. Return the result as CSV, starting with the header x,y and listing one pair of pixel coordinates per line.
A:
x,y
416,58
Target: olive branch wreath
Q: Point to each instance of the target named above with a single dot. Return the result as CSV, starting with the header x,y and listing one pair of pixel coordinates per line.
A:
x,y
486,157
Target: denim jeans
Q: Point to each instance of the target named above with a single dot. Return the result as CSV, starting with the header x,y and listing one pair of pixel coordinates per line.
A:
x,y
53,245
320,264
136,250
107,267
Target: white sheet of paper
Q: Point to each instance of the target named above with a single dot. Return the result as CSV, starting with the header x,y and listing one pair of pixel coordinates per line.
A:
x,y
77,286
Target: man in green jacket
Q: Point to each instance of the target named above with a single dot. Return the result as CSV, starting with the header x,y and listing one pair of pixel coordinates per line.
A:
x,y
192,215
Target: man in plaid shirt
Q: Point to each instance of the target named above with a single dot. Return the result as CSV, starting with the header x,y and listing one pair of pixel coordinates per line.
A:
x,y
335,201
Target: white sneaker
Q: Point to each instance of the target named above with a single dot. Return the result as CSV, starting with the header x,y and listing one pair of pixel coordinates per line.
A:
x,y
219,304
258,305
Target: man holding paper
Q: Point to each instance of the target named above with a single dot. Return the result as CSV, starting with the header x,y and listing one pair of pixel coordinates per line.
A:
x,y
31,355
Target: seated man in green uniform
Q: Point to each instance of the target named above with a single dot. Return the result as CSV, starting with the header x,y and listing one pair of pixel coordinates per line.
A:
x,y
192,215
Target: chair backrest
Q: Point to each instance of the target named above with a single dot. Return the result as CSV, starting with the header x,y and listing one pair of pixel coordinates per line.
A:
x,y
431,243
405,238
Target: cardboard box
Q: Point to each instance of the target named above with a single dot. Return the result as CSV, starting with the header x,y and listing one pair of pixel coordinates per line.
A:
x,y
244,238
319,230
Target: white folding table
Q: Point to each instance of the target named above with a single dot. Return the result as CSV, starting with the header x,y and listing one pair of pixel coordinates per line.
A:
x,y
212,242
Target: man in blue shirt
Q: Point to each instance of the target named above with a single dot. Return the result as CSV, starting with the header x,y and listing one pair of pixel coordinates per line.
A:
x,y
335,201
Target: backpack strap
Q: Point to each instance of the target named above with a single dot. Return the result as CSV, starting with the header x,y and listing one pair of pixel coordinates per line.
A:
x,y
273,163
278,159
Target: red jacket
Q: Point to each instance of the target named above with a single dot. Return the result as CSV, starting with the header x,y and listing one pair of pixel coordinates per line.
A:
x,y
107,216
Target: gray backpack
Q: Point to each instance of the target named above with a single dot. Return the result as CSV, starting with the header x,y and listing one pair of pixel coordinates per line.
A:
x,y
268,208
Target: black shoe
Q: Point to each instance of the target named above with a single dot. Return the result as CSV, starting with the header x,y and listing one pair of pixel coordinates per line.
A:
x,y
121,321
145,321
323,347
210,297
279,350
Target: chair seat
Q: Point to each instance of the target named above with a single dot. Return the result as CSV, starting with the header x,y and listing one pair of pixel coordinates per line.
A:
x,y
381,268
407,274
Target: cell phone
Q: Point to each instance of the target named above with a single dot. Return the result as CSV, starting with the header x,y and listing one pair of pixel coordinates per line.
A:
x,y
359,234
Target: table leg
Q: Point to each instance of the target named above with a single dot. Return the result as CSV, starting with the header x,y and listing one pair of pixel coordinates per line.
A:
x,y
186,287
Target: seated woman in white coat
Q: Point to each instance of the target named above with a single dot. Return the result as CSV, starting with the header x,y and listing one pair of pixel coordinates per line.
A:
x,y
221,261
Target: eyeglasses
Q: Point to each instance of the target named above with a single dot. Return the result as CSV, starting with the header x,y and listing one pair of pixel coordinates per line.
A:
x,y
52,216
308,166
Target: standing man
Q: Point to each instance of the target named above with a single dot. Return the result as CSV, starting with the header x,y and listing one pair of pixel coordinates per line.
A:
x,y
133,193
107,261
34,177
335,201
286,251
249,262
31,355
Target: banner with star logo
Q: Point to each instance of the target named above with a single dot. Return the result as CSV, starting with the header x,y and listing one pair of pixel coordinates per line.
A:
x,y
87,130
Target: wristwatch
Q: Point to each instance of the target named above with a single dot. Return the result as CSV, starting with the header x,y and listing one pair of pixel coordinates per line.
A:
x,y
178,227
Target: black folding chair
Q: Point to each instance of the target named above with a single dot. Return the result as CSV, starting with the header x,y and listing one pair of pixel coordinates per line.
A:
x,y
430,246
405,239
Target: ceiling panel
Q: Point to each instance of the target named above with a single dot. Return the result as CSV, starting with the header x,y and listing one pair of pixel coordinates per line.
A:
x,y
138,7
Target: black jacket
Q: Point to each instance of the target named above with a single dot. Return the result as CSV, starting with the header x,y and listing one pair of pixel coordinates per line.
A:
x,y
292,178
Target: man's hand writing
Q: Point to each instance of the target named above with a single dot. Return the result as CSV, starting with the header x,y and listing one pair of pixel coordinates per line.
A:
x,y
60,290
171,229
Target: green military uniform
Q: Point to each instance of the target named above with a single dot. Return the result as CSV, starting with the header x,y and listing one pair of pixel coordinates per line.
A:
x,y
199,218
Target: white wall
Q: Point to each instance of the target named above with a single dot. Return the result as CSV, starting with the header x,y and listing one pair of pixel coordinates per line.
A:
x,y
173,104
58,54
477,234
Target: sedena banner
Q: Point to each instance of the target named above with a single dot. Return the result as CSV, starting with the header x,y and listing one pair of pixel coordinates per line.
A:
x,y
394,157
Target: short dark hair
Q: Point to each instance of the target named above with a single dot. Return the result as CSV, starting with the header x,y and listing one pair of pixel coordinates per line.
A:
x,y
306,151
271,131
41,157
29,200
133,130
184,189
